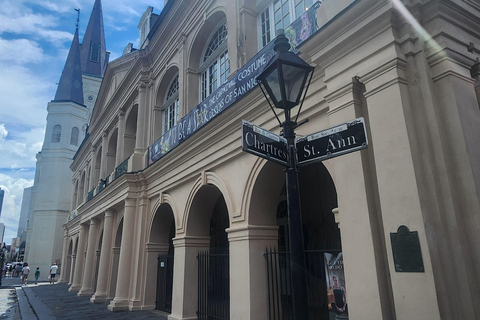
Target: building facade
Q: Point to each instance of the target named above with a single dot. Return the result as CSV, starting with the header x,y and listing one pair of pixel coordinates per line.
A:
x,y
24,211
169,212
67,119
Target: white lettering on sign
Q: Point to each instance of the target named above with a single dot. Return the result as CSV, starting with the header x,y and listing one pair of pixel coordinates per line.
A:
x,y
327,132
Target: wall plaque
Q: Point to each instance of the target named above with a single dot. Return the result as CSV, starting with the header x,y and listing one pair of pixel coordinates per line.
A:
x,y
407,254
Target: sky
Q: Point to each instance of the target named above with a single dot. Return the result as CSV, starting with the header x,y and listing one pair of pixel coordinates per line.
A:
x,y
35,36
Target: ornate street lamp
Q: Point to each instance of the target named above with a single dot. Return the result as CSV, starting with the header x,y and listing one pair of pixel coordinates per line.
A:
x,y
284,79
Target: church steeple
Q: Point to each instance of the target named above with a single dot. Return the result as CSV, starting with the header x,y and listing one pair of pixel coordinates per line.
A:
x,y
70,87
93,49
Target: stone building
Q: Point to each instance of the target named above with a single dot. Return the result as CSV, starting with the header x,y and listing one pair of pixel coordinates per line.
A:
x,y
170,213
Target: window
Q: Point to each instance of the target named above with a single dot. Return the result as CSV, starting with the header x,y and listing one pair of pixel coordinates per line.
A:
x,y
279,14
74,136
170,112
215,65
57,133
94,52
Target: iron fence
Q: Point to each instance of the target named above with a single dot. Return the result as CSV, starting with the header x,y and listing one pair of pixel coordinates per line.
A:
x,y
280,305
213,286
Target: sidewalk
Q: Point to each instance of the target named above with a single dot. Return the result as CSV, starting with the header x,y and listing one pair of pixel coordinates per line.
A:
x,y
53,301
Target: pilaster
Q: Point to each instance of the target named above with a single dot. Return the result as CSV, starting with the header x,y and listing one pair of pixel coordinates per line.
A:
x,y
248,283
120,302
185,277
104,267
86,289
80,258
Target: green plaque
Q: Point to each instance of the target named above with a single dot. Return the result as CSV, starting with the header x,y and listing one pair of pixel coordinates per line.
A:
x,y
407,254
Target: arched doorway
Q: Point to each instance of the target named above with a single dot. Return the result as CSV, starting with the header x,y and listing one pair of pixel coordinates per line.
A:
x,y
321,236
209,218
160,257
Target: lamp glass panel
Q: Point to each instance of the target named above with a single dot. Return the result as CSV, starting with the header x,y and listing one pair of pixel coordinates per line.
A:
x,y
293,79
274,84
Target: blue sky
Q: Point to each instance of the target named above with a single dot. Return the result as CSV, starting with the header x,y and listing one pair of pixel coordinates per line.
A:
x,y
35,36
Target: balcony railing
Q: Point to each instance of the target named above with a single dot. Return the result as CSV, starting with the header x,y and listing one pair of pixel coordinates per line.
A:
x,y
122,168
90,194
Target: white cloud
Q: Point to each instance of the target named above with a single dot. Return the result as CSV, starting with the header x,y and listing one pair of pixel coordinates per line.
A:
x,y
3,132
20,51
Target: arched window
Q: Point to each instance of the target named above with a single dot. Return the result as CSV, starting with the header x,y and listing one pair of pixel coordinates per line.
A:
x,y
279,14
215,65
171,106
74,136
57,133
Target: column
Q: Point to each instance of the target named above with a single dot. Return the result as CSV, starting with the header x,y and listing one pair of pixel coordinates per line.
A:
x,y
103,160
72,196
120,139
399,181
93,183
362,238
73,259
185,276
248,281
64,271
120,302
77,272
104,268
140,139
86,289
153,251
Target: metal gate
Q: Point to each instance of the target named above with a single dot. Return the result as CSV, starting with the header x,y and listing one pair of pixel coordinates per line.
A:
x,y
279,285
164,282
213,286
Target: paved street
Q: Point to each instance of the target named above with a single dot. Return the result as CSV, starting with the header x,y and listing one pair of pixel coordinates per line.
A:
x,y
46,301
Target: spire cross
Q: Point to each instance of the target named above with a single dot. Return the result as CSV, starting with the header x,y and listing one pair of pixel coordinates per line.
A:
x,y
78,16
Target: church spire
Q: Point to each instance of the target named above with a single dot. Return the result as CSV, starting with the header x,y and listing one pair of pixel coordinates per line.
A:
x,y
93,49
70,87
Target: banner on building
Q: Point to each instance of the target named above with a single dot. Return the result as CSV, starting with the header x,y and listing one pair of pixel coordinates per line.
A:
x,y
336,292
237,87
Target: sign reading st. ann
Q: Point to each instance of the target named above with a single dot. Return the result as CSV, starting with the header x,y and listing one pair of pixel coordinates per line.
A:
x,y
329,143
263,143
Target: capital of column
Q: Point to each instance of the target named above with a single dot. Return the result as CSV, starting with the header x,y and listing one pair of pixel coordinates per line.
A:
x,y
252,233
109,213
191,241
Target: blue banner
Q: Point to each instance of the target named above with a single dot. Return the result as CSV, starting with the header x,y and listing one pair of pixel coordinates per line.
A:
x,y
231,91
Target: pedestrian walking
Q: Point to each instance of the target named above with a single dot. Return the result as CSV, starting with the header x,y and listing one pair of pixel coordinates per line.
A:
x,y
37,275
25,271
53,272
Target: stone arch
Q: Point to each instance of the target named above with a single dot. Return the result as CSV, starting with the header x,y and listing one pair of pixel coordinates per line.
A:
x,y
209,180
166,78
161,94
112,151
130,130
96,170
201,38
160,246
266,205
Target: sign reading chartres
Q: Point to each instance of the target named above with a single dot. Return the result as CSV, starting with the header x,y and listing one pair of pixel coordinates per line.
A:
x,y
329,143
264,143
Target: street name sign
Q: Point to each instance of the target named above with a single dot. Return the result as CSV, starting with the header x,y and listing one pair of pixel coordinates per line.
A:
x,y
263,143
333,142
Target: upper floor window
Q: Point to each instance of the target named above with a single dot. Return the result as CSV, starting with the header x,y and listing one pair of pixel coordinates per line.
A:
x,y
215,64
57,133
279,14
170,111
95,52
74,136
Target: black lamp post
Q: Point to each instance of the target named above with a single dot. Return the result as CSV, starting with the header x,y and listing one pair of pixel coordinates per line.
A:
x,y
284,78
